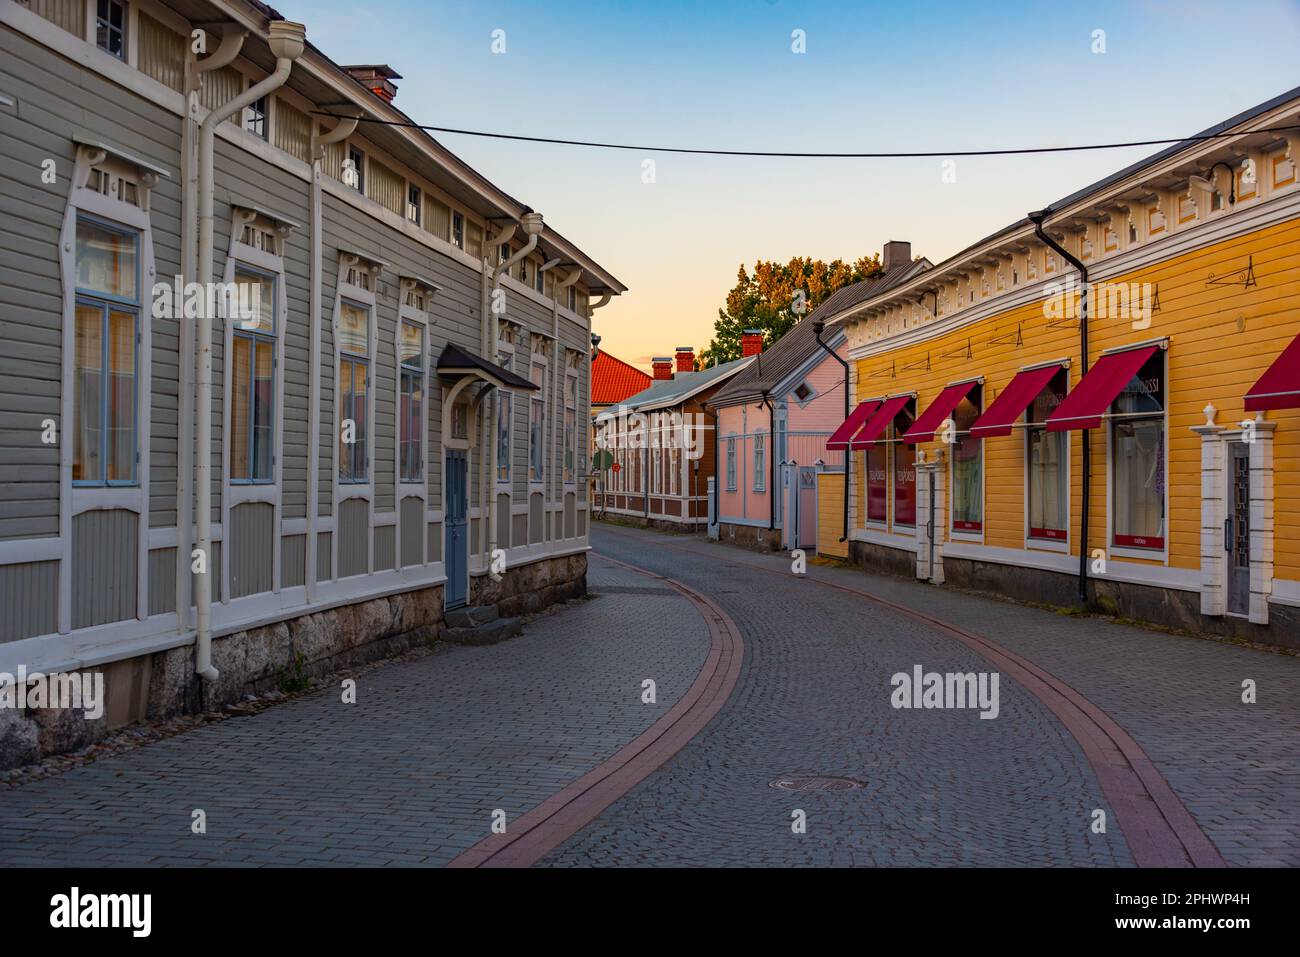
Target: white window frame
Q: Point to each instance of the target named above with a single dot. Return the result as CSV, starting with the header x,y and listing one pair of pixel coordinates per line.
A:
x,y
731,462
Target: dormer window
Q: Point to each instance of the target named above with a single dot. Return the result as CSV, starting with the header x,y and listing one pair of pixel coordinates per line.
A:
x,y
110,28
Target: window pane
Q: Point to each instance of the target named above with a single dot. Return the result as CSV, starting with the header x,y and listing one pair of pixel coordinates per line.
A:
x,y
904,472
505,404
1046,465
1138,448
263,423
241,368
878,482
88,384
359,414
345,413
106,260
354,330
967,472
121,396
570,447
254,307
410,416
535,441
409,348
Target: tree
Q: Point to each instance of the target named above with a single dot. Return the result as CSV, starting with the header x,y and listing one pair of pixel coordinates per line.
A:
x,y
776,296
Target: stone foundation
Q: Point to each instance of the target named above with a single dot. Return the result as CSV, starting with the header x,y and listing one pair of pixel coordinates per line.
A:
x,y
750,536
283,654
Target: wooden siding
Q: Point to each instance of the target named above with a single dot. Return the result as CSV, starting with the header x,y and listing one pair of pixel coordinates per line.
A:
x,y
160,53
437,217
412,519
292,131
354,537
29,597
293,561
385,548
324,560
830,515
68,14
386,187
220,87
252,548
162,581
104,567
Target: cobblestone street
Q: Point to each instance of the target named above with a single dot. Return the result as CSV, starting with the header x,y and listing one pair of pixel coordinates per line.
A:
x,y
412,773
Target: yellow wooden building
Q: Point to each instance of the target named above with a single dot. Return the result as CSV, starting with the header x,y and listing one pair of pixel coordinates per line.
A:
x,y
979,382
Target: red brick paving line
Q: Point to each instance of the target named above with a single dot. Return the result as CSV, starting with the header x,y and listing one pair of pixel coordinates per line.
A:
x,y
1159,829
537,832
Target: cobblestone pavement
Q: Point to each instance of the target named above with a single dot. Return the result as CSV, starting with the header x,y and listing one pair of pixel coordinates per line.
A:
x,y
943,786
409,775
939,787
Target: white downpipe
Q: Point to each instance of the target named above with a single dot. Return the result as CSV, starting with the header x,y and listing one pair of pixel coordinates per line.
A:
x,y
532,224
287,41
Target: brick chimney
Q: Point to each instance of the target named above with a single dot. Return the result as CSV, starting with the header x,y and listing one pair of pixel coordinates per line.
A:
x,y
751,343
685,358
897,253
663,366
378,78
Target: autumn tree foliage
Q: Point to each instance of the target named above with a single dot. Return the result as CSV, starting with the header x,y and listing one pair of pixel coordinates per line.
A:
x,y
777,295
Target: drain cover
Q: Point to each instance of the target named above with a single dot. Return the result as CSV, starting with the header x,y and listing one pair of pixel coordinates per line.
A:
x,y
815,783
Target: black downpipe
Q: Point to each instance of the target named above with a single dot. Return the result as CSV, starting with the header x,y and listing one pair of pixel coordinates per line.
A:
x,y
818,328
771,458
1037,219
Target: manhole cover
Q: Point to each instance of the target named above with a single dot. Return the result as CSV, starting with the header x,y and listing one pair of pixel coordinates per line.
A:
x,y
816,783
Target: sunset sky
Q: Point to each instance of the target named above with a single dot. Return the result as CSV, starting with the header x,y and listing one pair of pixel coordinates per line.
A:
x,y
900,76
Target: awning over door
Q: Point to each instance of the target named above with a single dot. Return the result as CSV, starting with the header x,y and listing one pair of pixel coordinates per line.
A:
x,y
1279,387
839,440
1013,400
1101,385
875,426
938,411
456,361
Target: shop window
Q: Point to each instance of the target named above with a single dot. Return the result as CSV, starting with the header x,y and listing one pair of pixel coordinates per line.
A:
x,y
878,483
1137,453
904,473
1046,470
967,467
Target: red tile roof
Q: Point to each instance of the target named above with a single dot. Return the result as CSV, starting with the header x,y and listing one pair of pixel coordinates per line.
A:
x,y
613,380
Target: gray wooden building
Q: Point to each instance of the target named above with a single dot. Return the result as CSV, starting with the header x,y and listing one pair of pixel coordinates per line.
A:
x,y
398,348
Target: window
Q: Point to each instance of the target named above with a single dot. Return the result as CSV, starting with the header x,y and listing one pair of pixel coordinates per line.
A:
x,y
106,355
1137,455
1046,474
570,429
803,392
458,230
354,391
503,253
505,409
255,117
536,422
110,27
731,463
760,462
878,483
357,162
967,467
573,299
410,414
414,204
539,279
904,469
675,471
252,383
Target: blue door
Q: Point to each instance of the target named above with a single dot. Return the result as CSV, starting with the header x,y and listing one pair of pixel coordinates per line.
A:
x,y
457,535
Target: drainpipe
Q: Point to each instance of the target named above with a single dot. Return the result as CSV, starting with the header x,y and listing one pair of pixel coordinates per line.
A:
x,y
771,442
717,451
232,42
344,128
1038,219
818,328
532,223
287,41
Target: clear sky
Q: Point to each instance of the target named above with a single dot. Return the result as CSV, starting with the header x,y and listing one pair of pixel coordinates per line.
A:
x,y
875,76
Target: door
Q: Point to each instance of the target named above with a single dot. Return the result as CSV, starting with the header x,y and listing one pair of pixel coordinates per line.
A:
x,y
1236,529
807,512
457,535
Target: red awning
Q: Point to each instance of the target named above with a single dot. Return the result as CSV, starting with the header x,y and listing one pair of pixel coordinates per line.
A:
x,y
879,421
1084,407
1279,387
938,411
839,440
1012,401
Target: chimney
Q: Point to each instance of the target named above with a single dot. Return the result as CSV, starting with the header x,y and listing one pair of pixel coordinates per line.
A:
x,y
663,366
751,343
897,253
378,78
685,358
